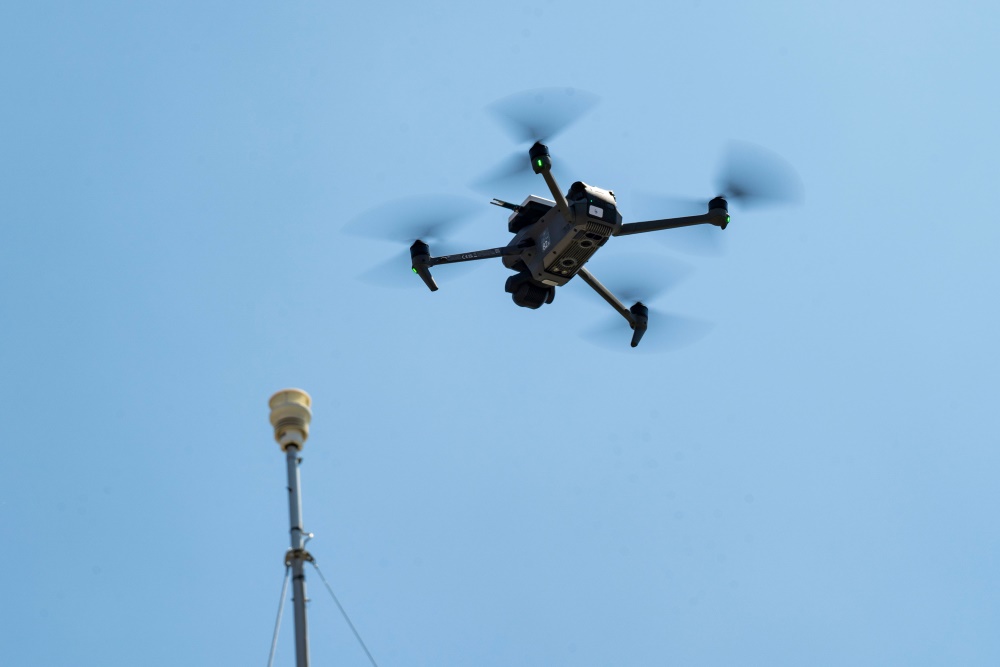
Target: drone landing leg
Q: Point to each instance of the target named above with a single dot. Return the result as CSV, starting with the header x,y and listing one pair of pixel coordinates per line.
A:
x,y
637,316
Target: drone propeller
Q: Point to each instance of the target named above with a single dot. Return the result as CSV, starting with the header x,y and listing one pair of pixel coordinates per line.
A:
x,y
749,176
754,176
530,116
643,279
428,218
542,113
513,173
637,276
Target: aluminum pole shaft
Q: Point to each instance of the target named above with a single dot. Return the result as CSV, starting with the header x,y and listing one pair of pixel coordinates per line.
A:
x,y
297,557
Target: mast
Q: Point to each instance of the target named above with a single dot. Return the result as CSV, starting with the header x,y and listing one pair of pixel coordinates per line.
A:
x,y
290,417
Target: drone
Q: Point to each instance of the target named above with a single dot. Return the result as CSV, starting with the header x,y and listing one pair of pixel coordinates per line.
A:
x,y
554,238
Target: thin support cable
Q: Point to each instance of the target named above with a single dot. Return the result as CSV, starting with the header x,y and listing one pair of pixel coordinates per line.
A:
x,y
346,617
277,621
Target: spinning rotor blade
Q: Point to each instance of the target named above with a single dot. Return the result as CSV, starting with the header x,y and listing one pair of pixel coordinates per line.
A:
x,y
666,332
754,176
530,116
636,276
514,173
643,278
750,176
542,113
705,240
396,272
429,218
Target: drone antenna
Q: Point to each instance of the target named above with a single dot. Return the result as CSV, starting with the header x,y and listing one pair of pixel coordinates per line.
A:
x,y
505,204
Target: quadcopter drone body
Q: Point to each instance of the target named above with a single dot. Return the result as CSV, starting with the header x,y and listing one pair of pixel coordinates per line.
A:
x,y
554,239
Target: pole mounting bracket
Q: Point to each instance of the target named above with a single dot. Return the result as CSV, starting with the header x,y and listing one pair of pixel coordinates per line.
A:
x,y
298,554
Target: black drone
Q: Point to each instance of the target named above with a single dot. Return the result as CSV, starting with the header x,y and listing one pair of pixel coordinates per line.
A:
x,y
555,238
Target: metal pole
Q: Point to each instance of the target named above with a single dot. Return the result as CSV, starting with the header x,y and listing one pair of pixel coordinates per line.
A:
x,y
290,416
298,555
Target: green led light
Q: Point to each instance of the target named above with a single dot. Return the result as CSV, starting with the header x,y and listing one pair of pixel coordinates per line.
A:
x,y
539,163
414,269
727,219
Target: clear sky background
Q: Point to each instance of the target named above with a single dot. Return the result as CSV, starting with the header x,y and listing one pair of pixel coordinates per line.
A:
x,y
812,483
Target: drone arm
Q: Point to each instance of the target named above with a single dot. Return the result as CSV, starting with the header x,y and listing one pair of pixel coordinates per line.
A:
x,y
560,199
717,217
637,316
474,255
606,294
422,260
541,163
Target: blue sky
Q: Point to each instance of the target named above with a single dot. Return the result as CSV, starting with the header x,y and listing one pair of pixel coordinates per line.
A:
x,y
813,482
